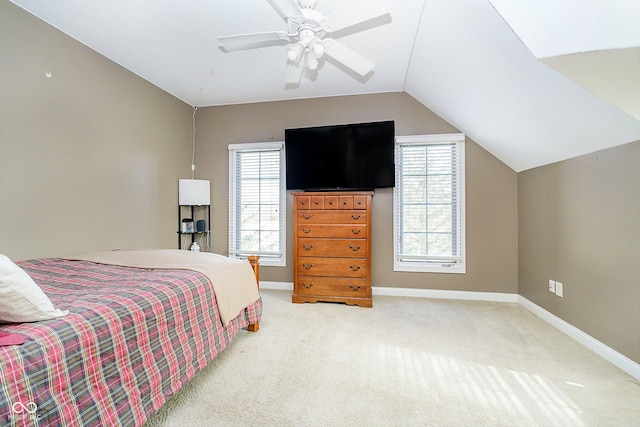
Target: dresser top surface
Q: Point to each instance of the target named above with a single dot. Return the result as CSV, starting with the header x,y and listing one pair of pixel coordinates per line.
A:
x,y
332,193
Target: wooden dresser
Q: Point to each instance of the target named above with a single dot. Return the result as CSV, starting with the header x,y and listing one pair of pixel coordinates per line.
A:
x,y
332,247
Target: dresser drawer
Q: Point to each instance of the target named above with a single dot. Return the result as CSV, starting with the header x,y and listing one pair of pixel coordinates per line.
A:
x,y
333,267
355,231
317,202
331,217
360,202
332,286
347,248
331,202
346,202
303,202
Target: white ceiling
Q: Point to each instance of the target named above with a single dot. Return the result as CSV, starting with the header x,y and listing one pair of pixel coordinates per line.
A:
x,y
560,27
473,62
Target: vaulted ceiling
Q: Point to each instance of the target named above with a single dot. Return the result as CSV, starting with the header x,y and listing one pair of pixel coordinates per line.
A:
x,y
532,82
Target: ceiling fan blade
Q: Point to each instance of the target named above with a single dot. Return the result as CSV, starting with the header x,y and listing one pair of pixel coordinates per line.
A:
x,y
347,57
356,13
253,40
286,8
294,72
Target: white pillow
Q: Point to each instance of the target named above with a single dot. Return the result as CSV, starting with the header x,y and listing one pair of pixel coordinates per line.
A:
x,y
21,299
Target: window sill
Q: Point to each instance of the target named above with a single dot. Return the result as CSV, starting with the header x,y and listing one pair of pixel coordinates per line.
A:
x,y
428,268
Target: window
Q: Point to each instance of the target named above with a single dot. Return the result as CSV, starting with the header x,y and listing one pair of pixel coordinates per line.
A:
x,y
429,224
257,202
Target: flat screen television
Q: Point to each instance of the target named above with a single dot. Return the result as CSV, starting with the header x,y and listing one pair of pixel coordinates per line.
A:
x,y
341,157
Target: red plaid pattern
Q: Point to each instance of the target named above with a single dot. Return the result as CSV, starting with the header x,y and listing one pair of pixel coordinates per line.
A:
x,y
132,339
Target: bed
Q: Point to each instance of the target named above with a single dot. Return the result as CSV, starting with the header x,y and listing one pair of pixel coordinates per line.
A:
x,y
134,335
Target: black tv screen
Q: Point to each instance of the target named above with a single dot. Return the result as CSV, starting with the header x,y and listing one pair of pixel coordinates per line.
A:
x,y
342,157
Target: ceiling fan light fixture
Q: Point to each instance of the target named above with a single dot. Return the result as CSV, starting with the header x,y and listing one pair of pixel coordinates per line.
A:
x,y
318,49
310,62
295,52
306,36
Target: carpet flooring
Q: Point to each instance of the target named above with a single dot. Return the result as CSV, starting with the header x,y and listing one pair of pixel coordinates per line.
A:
x,y
405,362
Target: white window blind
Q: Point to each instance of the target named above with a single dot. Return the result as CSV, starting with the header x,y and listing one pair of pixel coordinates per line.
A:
x,y
256,202
429,204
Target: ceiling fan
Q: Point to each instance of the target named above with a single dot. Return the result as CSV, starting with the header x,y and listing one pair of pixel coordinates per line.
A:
x,y
306,30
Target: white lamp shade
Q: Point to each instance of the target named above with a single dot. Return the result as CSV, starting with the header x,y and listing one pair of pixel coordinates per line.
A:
x,y
195,192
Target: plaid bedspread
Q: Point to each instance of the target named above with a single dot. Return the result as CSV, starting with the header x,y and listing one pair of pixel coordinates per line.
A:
x,y
132,339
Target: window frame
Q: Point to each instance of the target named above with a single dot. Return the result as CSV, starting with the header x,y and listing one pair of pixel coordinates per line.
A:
x,y
431,264
279,258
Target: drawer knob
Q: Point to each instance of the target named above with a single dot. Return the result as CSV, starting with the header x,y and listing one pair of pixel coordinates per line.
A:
x,y
307,266
307,286
344,202
355,216
355,231
307,216
354,249
306,230
302,203
354,267
307,247
354,287
317,202
330,202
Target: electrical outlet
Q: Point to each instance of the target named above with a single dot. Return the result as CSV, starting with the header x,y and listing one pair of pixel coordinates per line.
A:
x,y
559,289
552,286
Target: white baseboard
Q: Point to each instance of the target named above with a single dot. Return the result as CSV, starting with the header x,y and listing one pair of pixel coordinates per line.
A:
x,y
444,294
621,361
604,351
278,286
415,293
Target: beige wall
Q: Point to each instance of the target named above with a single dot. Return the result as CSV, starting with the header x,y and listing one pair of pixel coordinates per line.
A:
x,y
89,158
579,224
491,186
